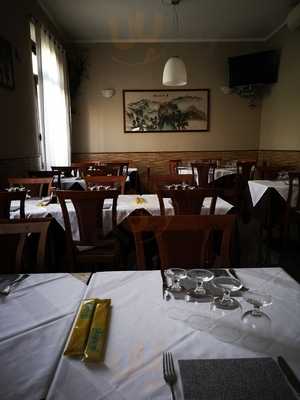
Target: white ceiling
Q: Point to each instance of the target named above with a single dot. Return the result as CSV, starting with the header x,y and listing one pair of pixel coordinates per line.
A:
x,y
153,20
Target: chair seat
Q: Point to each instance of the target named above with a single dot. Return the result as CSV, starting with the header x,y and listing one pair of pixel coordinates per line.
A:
x,y
106,252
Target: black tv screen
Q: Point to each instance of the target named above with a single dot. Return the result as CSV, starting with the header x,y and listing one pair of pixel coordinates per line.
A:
x,y
256,68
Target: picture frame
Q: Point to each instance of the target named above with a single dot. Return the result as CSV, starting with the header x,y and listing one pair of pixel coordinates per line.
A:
x,y
171,110
7,78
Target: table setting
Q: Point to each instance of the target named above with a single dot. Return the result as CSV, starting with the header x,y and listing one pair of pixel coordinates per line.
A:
x,y
149,348
126,204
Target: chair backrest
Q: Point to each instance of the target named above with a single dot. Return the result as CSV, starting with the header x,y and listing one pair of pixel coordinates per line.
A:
x,y
294,190
186,240
188,202
246,169
5,202
203,173
173,165
13,237
99,180
159,181
37,186
89,211
55,174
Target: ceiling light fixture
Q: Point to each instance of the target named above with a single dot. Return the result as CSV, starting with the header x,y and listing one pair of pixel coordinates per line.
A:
x,y
174,71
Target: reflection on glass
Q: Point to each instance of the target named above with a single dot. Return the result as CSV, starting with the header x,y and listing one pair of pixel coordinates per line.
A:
x,y
228,285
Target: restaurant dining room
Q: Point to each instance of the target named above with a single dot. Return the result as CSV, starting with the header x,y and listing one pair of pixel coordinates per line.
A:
x,y
149,199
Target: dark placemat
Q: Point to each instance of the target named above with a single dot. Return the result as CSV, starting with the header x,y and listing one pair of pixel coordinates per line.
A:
x,y
234,379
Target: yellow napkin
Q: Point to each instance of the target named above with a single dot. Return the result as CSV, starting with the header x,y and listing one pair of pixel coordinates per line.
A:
x,y
140,200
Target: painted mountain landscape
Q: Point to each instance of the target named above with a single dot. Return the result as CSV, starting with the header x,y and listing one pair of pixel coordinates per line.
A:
x,y
169,111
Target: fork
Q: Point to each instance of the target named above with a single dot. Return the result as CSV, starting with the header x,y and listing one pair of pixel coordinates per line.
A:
x,y
169,372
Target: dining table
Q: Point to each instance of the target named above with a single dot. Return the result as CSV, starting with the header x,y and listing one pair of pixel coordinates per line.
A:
x,y
145,323
258,188
219,172
35,319
126,204
67,183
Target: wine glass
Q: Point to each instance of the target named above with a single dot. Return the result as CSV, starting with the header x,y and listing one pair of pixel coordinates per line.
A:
x,y
174,276
199,276
228,285
226,325
256,323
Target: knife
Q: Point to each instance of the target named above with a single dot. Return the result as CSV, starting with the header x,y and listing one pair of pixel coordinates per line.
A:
x,y
289,373
235,275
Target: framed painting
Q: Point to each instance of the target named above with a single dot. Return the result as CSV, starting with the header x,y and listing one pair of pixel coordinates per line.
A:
x,y
184,110
7,79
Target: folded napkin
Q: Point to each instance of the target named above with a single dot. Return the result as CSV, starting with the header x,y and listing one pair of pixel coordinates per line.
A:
x,y
234,379
140,200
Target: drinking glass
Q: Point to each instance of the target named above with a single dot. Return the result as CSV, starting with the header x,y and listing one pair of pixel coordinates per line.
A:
x,y
256,323
228,285
226,325
199,276
174,276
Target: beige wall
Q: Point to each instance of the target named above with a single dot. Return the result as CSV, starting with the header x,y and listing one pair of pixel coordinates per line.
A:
x,y
280,120
98,122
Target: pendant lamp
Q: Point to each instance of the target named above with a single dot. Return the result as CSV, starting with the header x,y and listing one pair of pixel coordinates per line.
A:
x,y
174,71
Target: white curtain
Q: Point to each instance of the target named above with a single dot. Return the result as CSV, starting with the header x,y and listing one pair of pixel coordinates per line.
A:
x,y
54,95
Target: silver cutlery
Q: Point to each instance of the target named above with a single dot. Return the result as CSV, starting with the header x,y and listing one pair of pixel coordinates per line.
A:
x,y
169,372
8,288
235,275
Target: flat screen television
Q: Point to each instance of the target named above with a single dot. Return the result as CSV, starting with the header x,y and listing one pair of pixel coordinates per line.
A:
x,y
255,68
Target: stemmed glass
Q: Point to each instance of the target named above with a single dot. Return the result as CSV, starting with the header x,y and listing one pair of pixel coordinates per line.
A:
x,y
199,276
175,275
228,285
257,323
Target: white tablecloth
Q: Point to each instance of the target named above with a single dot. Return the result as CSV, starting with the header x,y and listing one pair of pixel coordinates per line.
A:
x,y
219,172
35,319
141,329
258,188
126,205
67,183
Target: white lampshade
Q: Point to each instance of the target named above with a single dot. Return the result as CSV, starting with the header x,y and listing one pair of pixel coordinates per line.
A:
x,y
174,72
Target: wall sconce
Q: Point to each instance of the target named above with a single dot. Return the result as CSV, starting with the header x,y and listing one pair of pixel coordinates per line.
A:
x,y
108,93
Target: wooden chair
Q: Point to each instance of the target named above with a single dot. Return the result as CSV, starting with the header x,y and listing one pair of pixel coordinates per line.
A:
x,y
292,212
92,247
5,202
37,186
246,169
13,237
173,165
188,202
159,181
56,175
186,240
115,181
203,173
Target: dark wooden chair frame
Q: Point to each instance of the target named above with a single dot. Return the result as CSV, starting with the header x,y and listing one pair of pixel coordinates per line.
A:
x,y
181,223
